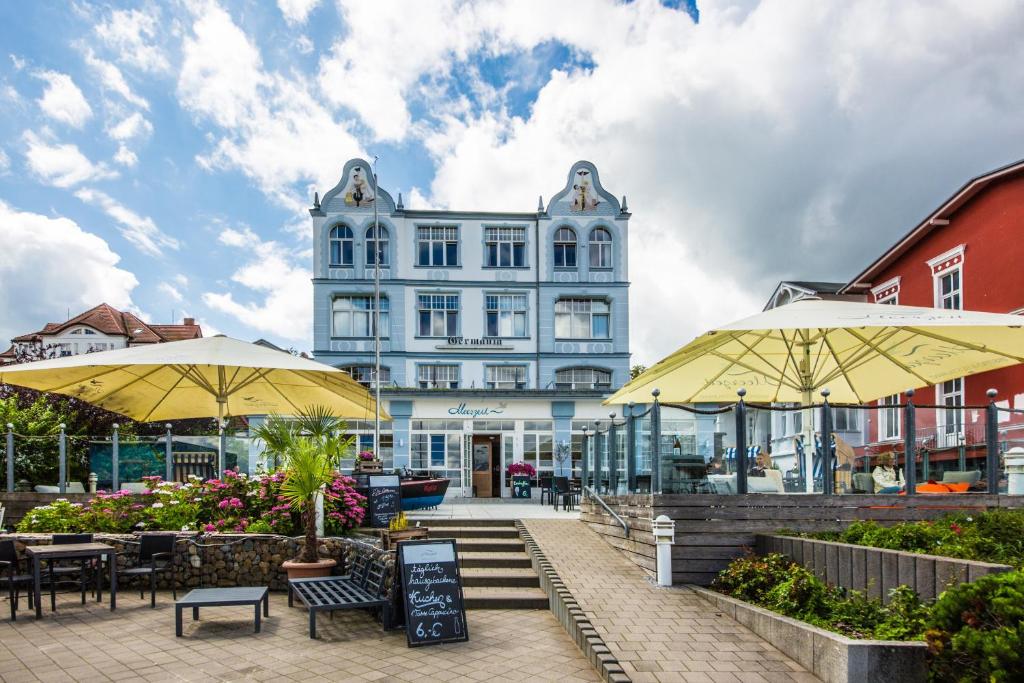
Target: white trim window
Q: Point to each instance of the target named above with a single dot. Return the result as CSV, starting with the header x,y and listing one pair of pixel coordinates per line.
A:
x,y
948,278
888,292
382,251
889,418
438,376
438,315
364,374
600,249
352,316
341,247
539,446
505,376
437,246
565,248
436,446
845,419
506,315
583,378
950,418
582,319
505,247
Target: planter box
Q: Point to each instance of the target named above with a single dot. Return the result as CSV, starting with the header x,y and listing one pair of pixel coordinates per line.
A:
x,y
876,571
390,539
368,467
829,656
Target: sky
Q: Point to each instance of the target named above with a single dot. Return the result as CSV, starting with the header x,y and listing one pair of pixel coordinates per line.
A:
x,y
162,156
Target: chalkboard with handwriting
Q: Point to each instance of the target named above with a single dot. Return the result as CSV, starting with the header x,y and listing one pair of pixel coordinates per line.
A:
x,y
385,500
432,592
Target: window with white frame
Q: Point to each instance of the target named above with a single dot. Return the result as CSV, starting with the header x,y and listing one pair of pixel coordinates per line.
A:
x,y
436,447
951,395
438,315
505,376
790,421
438,376
889,418
583,378
948,290
845,419
505,247
364,374
437,246
362,430
352,316
582,319
506,315
538,446
340,246
382,250
565,248
600,248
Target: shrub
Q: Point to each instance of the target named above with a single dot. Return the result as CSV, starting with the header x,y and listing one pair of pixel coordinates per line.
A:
x,y
976,630
59,517
751,577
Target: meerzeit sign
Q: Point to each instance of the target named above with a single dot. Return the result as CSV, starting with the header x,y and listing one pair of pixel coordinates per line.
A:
x,y
478,343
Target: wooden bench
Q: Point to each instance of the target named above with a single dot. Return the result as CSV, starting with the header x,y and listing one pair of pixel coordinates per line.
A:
x,y
364,588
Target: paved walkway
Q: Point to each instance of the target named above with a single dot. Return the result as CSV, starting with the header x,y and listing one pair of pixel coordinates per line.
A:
x,y
492,508
137,643
659,635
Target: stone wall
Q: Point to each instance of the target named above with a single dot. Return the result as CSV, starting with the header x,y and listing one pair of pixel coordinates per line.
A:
x,y
222,559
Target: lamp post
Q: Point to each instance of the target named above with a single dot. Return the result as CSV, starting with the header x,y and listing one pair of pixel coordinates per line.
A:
x,y
376,317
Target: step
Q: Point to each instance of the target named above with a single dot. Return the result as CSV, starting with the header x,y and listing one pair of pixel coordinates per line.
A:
x,y
505,598
499,577
489,545
439,522
472,532
494,560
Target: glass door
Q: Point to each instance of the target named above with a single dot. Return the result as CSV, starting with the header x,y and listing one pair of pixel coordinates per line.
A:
x,y
467,466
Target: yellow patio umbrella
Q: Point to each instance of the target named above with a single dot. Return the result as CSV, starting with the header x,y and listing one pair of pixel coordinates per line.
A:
x,y
859,351
208,377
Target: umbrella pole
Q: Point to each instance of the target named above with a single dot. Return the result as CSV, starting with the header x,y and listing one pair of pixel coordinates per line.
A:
x,y
808,442
220,438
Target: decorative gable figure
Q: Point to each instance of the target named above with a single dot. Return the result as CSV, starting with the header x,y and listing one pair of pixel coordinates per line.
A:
x,y
584,197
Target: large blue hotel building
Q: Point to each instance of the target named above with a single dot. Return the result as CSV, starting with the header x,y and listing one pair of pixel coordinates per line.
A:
x,y
501,332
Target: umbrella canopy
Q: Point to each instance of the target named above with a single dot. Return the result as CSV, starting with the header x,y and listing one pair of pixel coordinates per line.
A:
x,y
209,377
859,351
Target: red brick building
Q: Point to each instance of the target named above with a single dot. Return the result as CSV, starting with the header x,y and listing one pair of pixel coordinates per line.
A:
x,y
969,254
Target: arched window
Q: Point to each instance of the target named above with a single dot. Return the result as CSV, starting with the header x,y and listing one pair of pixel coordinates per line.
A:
x,y
340,243
583,378
382,250
565,248
600,248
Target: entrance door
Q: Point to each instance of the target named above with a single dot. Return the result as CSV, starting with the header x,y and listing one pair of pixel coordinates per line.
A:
x,y
486,467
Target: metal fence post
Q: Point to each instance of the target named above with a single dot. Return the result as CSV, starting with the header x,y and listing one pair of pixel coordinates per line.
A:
x,y
599,460
828,478
62,460
631,449
169,455
741,442
613,455
10,458
222,449
992,442
909,445
586,457
656,443
115,466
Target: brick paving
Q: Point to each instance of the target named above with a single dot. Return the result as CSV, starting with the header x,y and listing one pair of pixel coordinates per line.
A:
x,y
136,643
659,635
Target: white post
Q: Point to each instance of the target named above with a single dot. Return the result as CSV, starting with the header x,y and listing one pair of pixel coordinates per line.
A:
x,y
664,534
320,514
1015,471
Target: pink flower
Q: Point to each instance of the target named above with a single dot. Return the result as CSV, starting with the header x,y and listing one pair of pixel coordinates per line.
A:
x,y
209,527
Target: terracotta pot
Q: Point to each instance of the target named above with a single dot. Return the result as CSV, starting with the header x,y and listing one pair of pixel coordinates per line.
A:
x,y
307,570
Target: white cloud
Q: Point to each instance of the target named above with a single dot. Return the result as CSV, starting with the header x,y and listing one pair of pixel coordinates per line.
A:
x,y
139,230
113,80
135,35
48,265
61,165
125,156
181,279
170,291
62,100
296,11
5,162
134,127
286,308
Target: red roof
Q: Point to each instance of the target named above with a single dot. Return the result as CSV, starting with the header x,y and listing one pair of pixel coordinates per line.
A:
x,y
108,320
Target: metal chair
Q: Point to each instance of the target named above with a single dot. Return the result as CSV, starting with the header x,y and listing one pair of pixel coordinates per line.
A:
x,y
156,555
546,490
58,569
9,565
564,492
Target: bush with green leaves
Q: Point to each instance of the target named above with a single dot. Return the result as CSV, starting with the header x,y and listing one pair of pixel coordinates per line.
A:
x,y
976,631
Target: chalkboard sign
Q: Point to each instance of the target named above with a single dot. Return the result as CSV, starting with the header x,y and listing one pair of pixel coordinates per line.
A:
x,y
385,500
432,592
521,486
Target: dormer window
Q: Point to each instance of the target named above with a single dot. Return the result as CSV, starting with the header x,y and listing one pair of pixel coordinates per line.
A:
x,y
341,246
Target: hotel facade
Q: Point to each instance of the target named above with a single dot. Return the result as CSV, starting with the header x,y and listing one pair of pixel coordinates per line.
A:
x,y
501,333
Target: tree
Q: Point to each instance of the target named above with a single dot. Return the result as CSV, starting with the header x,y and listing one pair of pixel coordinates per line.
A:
x,y
636,371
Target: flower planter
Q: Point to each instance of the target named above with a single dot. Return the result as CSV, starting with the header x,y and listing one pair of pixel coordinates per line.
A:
x,y
307,570
368,467
390,539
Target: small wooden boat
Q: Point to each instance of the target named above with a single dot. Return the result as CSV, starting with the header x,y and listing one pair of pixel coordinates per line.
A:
x,y
418,494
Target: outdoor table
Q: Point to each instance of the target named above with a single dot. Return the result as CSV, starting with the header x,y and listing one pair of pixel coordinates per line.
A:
x,y
73,551
222,597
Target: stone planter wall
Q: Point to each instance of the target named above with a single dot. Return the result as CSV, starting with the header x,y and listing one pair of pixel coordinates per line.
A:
x,y
876,571
233,559
829,656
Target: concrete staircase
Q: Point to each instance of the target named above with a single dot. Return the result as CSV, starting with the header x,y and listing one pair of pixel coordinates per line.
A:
x,y
496,571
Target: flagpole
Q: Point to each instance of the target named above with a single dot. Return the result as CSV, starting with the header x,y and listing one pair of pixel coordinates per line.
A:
x,y
376,318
